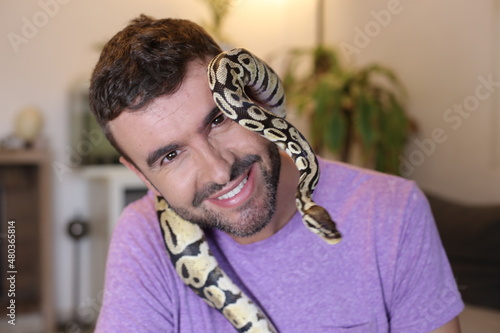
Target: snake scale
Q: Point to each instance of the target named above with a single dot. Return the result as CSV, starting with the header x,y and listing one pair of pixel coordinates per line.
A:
x,y
230,75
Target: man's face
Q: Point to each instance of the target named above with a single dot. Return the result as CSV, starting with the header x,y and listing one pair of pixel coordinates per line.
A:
x,y
212,171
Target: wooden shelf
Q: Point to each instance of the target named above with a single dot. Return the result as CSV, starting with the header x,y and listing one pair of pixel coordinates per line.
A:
x,y
25,180
23,156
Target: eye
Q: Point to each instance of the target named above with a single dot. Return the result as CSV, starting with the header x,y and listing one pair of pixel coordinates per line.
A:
x,y
218,120
170,156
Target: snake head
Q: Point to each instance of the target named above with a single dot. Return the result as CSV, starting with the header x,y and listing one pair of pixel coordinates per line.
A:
x,y
320,222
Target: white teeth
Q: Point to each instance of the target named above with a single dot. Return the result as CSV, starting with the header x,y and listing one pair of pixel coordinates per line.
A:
x,y
234,191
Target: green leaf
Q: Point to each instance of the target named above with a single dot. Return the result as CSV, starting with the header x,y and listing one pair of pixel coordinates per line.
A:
x,y
336,133
371,96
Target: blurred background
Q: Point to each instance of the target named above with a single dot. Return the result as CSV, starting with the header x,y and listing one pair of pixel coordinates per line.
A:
x,y
59,183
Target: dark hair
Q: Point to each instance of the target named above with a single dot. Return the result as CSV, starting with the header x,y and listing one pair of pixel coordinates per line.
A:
x,y
145,60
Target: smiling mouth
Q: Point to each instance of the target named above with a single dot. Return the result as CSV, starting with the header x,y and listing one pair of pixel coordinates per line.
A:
x,y
234,191
215,192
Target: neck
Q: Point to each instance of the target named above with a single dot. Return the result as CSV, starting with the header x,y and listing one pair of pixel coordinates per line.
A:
x,y
285,202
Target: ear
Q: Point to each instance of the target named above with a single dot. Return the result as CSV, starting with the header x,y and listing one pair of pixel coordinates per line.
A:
x,y
139,174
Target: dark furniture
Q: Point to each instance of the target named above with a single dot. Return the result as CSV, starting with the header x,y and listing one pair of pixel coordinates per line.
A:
x,y
471,238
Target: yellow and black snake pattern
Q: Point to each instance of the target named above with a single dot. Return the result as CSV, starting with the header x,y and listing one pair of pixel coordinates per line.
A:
x,y
231,75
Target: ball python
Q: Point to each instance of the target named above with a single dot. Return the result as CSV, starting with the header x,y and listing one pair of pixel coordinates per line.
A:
x,y
230,75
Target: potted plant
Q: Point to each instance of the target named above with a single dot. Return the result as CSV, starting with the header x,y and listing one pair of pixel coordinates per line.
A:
x,y
348,108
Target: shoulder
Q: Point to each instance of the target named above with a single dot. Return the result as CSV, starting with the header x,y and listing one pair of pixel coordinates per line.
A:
x,y
374,208
137,238
387,224
350,176
138,221
342,185
139,279
137,243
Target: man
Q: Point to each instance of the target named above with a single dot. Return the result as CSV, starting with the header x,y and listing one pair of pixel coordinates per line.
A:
x,y
150,94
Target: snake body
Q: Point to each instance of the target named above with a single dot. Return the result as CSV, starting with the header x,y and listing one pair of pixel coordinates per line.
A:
x,y
231,74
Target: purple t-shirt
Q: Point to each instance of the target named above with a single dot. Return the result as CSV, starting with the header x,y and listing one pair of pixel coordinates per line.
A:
x,y
389,273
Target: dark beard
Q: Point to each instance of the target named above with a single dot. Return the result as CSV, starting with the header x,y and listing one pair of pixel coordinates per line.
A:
x,y
254,219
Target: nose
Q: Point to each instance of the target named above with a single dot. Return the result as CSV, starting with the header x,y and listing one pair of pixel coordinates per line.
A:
x,y
214,164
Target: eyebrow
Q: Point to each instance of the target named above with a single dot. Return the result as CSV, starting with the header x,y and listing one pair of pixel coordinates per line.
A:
x,y
209,118
154,156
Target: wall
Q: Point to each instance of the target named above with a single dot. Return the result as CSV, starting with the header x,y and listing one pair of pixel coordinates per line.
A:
x,y
442,51
439,49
